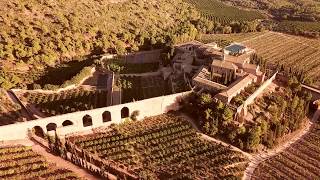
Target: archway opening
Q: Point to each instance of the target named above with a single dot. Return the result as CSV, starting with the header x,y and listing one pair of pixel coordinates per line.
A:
x,y
124,112
67,123
38,131
106,116
87,121
51,127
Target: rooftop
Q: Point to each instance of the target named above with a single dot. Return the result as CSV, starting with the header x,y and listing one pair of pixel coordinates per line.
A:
x,y
240,83
235,48
223,64
203,77
239,60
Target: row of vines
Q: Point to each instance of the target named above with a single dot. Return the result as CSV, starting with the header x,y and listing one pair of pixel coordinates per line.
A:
x,y
219,12
67,101
20,162
138,88
164,147
285,50
300,161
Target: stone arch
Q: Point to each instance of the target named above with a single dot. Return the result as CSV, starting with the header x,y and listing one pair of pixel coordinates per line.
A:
x,y
124,112
38,131
106,116
87,120
67,123
51,127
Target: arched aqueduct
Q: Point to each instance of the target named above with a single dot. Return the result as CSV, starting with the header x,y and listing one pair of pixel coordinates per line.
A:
x,y
87,120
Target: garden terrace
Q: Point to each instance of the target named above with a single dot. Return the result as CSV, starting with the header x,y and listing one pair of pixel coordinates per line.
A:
x,y
299,161
243,96
67,101
163,147
119,66
9,112
144,87
20,162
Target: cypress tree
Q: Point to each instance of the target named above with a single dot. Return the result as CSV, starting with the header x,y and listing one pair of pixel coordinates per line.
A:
x,y
226,79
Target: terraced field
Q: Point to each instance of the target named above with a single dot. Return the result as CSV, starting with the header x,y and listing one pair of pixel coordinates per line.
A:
x,y
163,147
20,162
300,161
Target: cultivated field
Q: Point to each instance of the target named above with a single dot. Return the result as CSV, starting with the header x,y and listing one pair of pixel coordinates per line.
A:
x,y
291,52
68,101
20,162
144,87
296,52
217,11
300,161
164,147
237,37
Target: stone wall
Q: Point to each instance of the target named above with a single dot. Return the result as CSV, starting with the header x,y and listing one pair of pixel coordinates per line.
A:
x,y
147,107
143,57
258,92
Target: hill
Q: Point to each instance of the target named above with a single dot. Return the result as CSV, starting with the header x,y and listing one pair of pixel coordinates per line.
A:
x,y
299,17
37,34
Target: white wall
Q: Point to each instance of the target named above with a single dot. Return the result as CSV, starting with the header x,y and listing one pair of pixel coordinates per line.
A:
x,y
147,107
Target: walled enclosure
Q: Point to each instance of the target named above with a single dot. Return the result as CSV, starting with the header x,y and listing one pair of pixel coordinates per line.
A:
x,y
243,109
146,108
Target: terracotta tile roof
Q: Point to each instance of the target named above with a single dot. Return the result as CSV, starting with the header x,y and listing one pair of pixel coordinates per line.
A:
x,y
223,64
239,84
204,77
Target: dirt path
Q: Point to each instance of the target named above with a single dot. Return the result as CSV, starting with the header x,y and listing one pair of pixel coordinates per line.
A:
x,y
61,163
259,158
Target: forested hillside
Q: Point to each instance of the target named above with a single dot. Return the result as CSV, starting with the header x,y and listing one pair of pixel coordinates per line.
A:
x,y
300,17
44,32
35,34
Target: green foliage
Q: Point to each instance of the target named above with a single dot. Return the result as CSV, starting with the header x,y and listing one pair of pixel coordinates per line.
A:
x,y
75,80
67,101
296,17
206,99
119,66
46,34
281,112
